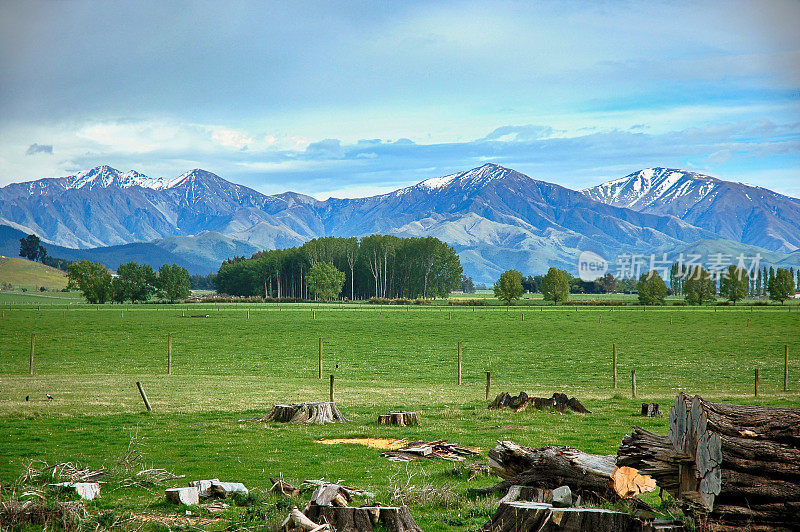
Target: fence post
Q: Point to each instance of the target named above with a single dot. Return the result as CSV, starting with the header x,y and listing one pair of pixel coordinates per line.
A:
x,y
169,355
786,369
320,357
144,396
332,396
33,350
614,365
459,363
633,383
488,383
755,387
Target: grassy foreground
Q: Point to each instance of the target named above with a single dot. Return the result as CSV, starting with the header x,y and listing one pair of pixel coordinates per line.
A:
x,y
229,367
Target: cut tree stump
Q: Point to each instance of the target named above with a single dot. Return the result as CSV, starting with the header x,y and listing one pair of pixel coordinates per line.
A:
x,y
559,401
552,467
402,419
651,410
314,413
521,516
738,466
364,519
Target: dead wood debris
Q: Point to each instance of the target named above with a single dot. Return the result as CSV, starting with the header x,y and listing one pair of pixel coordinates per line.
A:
x,y
429,449
62,471
65,515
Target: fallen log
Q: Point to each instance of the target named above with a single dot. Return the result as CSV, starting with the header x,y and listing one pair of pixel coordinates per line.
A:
x,y
402,419
314,413
733,465
364,519
535,516
559,401
550,467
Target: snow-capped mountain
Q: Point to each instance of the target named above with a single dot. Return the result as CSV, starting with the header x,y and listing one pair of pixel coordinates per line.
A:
x,y
495,217
734,211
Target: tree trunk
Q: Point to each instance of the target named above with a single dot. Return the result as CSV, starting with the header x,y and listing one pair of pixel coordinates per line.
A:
x,y
364,519
533,516
402,419
731,463
318,413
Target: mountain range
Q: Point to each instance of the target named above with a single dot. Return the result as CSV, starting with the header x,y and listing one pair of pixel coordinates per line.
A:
x,y
495,217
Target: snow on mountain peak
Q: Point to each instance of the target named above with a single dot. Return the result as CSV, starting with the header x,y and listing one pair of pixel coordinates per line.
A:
x,y
105,176
475,178
650,185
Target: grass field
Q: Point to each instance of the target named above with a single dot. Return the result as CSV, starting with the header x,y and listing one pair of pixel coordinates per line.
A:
x,y
228,367
31,275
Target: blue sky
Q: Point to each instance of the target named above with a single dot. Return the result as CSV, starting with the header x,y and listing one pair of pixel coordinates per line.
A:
x,y
351,99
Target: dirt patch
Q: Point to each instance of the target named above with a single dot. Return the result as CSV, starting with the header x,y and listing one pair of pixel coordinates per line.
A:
x,y
375,443
177,519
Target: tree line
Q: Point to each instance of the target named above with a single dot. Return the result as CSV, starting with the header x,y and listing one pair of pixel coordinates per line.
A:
x,y
382,266
133,282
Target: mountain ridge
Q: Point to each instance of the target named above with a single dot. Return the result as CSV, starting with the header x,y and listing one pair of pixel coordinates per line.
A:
x,y
494,216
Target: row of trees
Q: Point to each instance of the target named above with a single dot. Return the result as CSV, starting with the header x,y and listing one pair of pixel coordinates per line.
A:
x,y
375,266
699,286
133,282
755,285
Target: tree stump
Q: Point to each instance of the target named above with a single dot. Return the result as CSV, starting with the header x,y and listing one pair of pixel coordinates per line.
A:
x,y
559,401
317,413
736,465
650,410
402,419
363,519
525,516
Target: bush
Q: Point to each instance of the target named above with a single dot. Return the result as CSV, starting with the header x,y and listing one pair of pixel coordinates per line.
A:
x,y
468,302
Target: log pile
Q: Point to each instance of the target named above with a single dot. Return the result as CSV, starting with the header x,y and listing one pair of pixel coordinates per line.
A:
x,y
402,419
731,465
429,449
588,475
314,413
560,402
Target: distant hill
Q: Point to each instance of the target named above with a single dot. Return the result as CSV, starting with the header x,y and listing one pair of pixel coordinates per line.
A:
x,y
23,272
142,252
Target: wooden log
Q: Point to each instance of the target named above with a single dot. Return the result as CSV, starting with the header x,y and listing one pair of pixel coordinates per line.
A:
x,y
521,516
364,519
330,495
488,383
732,463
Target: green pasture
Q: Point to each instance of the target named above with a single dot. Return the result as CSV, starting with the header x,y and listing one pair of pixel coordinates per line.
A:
x,y
228,366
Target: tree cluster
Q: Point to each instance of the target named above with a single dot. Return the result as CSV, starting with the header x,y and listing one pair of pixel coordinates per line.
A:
x,y
133,282
375,266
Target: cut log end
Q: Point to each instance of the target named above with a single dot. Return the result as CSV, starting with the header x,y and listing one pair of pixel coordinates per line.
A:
x,y
402,419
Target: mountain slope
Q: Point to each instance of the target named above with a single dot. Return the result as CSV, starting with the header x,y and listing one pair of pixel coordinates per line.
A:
x,y
734,211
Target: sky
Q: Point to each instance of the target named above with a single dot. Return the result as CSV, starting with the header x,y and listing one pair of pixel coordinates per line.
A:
x,y
350,99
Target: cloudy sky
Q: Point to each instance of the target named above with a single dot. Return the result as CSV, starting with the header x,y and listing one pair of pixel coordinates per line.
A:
x,y
350,99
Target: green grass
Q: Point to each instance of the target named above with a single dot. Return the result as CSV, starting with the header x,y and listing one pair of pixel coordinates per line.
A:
x,y
228,367
31,275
